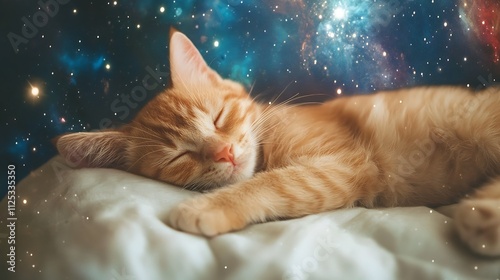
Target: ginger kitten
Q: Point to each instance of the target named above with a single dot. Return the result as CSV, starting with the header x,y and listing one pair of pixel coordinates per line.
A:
x,y
419,146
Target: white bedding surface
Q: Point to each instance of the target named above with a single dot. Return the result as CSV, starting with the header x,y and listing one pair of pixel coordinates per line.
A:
x,y
109,224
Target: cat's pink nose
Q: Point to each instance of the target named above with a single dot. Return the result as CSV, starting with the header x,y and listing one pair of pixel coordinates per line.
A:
x,y
225,154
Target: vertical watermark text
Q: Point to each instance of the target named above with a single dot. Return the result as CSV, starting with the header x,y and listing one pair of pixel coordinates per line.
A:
x,y
11,217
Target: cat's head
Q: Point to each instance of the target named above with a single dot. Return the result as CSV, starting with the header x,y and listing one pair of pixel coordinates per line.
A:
x,y
199,133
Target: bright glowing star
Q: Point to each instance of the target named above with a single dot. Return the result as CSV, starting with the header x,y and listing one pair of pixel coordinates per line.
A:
x,y
74,11
465,58
216,44
339,91
162,9
63,120
339,13
35,91
115,2
445,24
354,35
138,26
25,201
384,54
108,66
34,149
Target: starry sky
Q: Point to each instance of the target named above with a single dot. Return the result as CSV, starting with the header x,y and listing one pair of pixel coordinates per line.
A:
x,y
70,66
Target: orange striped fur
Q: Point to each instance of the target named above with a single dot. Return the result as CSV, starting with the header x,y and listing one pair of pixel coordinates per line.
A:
x,y
420,146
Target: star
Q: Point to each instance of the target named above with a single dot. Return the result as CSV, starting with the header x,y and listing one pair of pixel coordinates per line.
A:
x,y
35,91
339,13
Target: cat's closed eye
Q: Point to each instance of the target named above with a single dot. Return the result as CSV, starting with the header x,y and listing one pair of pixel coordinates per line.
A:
x,y
180,155
218,121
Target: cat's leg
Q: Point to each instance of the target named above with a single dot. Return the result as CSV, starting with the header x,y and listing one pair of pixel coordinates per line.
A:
x,y
478,219
313,186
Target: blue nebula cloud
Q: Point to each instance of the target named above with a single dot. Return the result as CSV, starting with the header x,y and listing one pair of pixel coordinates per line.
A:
x,y
20,149
346,44
81,61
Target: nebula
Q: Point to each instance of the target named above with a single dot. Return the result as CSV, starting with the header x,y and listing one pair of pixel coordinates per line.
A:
x,y
482,20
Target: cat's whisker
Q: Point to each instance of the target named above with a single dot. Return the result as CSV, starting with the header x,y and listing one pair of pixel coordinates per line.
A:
x,y
198,187
263,119
263,130
279,95
297,96
256,126
204,185
194,186
265,113
161,162
268,111
251,88
186,186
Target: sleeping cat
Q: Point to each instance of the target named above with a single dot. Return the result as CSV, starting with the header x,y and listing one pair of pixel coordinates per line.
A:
x,y
258,162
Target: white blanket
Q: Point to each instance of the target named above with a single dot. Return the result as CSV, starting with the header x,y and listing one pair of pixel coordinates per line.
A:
x,y
108,224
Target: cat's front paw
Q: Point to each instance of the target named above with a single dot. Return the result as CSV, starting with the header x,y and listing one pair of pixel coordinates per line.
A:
x,y
478,224
204,216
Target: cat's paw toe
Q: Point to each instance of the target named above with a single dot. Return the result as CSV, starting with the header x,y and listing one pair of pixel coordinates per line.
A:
x,y
201,216
478,224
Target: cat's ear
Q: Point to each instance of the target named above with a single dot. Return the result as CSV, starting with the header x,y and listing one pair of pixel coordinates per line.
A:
x,y
186,63
93,149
